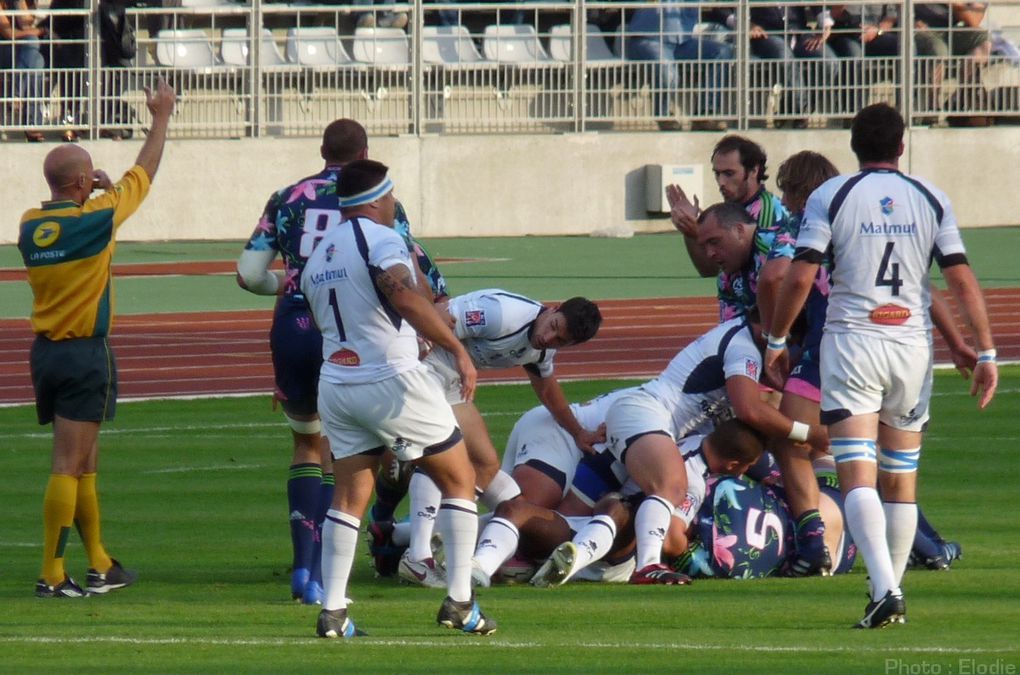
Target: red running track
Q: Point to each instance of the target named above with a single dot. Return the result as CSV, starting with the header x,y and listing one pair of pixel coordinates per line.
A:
x,y
216,353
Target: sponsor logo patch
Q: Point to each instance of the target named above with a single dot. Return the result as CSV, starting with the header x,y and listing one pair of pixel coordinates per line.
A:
x,y
474,317
46,234
345,357
887,205
751,368
890,315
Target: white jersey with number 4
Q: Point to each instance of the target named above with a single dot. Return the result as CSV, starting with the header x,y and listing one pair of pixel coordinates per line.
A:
x,y
884,228
364,339
495,327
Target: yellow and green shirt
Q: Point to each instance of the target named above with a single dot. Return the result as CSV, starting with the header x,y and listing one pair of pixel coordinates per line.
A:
x,y
68,250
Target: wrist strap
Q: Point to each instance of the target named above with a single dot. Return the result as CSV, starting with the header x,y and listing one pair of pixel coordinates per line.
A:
x,y
799,432
776,343
987,356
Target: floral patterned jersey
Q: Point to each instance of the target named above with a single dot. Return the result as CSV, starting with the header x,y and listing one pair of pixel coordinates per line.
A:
x,y
297,217
738,291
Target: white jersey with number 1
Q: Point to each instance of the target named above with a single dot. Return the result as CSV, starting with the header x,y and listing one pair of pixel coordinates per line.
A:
x,y
364,339
884,228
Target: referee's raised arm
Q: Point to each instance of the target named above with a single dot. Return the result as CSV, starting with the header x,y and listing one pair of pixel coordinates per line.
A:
x,y
161,104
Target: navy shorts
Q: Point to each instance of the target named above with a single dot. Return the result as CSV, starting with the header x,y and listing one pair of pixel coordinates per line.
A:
x,y
296,346
76,379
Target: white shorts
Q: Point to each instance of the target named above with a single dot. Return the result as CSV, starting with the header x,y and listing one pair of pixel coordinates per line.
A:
x,y
633,415
862,375
443,367
538,439
405,412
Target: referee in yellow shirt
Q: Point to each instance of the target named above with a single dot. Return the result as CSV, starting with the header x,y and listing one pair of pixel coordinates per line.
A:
x,y
67,245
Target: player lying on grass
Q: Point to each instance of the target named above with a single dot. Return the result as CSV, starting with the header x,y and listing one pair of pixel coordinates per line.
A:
x,y
537,531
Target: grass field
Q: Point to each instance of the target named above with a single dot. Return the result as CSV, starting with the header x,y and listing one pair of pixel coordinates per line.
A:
x,y
193,497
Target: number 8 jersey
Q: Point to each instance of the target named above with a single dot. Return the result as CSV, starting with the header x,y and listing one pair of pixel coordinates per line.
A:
x,y
884,228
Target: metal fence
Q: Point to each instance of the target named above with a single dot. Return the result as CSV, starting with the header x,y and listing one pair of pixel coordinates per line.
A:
x,y
464,68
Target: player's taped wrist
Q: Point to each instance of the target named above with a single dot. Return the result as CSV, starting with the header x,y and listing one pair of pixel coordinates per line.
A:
x,y
775,343
987,356
799,432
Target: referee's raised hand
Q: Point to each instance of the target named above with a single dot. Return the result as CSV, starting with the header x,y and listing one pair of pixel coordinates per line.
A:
x,y
160,102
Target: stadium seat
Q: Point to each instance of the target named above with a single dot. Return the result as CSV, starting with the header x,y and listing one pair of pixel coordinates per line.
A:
x,y
185,48
235,52
561,44
449,46
381,46
316,46
516,44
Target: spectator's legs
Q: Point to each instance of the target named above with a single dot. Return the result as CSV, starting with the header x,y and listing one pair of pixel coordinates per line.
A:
x,y
31,80
714,72
665,79
820,73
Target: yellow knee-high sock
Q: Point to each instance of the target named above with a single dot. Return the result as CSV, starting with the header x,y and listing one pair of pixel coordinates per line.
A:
x,y
58,514
86,517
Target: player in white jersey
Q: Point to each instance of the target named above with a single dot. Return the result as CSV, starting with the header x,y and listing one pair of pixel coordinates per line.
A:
x,y
729,449
718,370
883,228
373,392
541,456
499,329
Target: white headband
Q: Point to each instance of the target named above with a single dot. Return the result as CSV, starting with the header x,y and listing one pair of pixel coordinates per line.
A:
x,y
367,196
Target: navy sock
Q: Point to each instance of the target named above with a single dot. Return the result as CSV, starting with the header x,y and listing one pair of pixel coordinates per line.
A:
x,y
303,487
927,542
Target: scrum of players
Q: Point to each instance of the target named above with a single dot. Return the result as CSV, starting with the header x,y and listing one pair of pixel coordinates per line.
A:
x,y
719,467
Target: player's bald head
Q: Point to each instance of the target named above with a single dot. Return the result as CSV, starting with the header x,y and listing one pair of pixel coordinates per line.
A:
x,y
65,164
344,140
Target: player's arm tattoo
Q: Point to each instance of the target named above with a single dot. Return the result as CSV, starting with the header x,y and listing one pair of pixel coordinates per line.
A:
x,y
391,281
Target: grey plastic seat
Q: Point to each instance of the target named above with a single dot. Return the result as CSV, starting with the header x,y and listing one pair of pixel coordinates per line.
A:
x,y
316,46
561,44
381,46
449,46
235,51
185,48
516,44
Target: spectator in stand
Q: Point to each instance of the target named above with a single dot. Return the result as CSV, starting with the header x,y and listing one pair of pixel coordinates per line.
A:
x,y
943,30
19,50
665,35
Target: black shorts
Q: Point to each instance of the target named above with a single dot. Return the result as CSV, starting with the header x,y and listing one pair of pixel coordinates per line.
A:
x,y
296,346
76,379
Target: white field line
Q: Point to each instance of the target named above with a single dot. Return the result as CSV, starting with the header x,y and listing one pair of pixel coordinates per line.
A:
x,y
206,427
503,645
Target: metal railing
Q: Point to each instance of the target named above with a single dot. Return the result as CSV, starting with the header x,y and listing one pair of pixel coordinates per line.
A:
x,y
466,68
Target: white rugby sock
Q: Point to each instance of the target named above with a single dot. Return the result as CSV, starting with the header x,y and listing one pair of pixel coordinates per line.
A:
x,y
865,518
594,540
401,534
457,523
339,540
650,525
497,542
501,488
425,498
900,529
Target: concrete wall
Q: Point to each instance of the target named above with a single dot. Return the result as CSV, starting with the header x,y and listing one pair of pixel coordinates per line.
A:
x,y
499,185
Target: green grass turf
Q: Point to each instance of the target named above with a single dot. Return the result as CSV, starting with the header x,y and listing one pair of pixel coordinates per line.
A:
x,y
546,268
193,496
